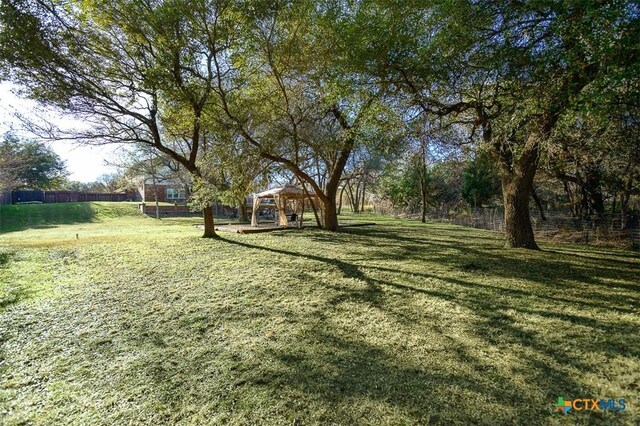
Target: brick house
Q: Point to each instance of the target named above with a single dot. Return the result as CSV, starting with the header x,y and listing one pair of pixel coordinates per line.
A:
x,y
168,190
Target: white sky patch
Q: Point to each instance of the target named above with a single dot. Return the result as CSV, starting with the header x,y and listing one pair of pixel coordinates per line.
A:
x,y
85,163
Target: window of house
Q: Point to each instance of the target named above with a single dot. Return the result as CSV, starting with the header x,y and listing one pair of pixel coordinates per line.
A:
x,y
175,194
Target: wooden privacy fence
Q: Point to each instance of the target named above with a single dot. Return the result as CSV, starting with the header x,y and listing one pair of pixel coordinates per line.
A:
x,y
5,197
38,196
73,196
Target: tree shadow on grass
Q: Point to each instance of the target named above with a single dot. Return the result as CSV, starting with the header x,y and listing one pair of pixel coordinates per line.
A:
x,y
547,267
4,258
342,375
15,218
182,359
344,372
10,294
540,358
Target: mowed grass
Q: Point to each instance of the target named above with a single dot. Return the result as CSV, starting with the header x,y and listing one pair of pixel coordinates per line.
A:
x,y
138,321
42,216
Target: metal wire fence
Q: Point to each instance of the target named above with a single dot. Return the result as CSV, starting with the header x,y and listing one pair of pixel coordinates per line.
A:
x,y
611,229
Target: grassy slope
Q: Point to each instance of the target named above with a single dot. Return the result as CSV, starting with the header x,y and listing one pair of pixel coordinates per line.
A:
x,y
42,216
140,321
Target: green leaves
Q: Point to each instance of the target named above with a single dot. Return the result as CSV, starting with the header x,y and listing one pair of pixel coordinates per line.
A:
x,y
399,183
480,181
29,164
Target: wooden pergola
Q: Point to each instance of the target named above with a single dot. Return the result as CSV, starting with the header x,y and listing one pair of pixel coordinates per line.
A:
x,y
281,196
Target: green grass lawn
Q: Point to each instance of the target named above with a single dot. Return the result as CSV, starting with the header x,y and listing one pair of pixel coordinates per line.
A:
x,y
138,321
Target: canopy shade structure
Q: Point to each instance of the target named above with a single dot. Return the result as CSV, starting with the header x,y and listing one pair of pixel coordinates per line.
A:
x,y
281,196
291,191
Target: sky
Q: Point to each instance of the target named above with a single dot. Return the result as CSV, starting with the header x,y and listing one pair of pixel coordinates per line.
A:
x,y
84,163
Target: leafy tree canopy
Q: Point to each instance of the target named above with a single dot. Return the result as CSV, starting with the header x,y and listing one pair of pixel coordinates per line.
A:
x,y
29,164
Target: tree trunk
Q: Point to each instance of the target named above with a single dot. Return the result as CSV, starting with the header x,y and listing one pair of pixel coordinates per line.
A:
x,y
242,212
535,197
313,205
330,216
570,199
354,208
209,229
517,222
423,201
356,200
155,198
613,203
517,184
597,202
423,190
613,211
340,203
584,203
624,203
155,184
423,178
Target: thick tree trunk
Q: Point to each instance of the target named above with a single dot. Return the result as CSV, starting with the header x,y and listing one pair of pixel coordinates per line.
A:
x,y
242,212
516,191
517,185
209,228
330,216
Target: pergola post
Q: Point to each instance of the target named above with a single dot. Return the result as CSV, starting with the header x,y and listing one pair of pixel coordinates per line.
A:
x,y
254,213
301,218
281,203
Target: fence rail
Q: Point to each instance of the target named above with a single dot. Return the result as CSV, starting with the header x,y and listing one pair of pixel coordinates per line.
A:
x,y
635,239
616,229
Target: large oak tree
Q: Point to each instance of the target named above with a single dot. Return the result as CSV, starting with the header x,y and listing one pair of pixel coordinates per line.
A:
x,y
508,70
